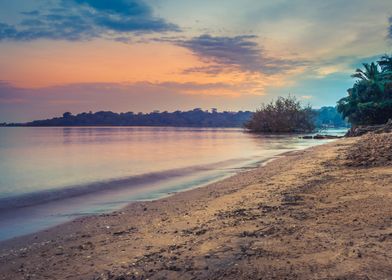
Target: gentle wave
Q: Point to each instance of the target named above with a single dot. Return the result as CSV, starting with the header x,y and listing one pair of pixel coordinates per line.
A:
x,y
46,196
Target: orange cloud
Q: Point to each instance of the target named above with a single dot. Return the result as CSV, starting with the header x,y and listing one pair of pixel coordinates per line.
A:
x,y
61,63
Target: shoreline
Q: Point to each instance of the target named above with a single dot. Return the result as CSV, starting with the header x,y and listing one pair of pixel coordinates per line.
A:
x,y
20,240
296,217
244,167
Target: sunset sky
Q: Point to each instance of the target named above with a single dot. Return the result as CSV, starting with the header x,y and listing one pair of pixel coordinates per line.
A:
x,y
144,55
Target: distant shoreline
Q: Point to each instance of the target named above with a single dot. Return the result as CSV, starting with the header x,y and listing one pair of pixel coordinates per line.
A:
x,y
99,125
168,126
325,117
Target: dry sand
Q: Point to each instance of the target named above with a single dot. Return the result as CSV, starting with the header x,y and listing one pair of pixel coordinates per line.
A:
x,y
313,214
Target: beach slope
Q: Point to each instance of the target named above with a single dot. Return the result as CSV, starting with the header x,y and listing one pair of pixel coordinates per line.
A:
x,y
320,213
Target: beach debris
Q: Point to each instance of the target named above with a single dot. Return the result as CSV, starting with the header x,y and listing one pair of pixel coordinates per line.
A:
x,y
269,208
244,214
321,137
123,232
86,246
266,231
194,231
292,200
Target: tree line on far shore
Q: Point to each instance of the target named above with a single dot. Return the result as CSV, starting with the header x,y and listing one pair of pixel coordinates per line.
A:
x,y
192,118
324,117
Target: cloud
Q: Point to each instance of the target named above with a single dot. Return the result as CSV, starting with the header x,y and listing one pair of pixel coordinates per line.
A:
x,y
86,19
84,92
234,53
122,7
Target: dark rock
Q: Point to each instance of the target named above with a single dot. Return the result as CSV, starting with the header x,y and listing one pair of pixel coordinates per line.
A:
x,y
361,130
200,232
321,137
293,200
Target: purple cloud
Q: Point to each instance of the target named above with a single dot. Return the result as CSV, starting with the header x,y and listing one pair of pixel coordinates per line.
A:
x,y
238,53
85,19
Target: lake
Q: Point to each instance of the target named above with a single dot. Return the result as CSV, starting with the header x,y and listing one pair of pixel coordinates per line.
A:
x,y
52,175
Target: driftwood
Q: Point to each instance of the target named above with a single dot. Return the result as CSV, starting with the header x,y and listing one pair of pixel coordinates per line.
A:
x,y
321,137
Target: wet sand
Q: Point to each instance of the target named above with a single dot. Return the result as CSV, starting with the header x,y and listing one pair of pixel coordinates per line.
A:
x,y
312,214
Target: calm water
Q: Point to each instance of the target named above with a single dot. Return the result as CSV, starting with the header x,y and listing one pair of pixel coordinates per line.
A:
x,y
52,175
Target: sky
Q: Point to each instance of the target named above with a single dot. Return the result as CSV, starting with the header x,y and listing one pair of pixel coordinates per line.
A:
x,y
145,55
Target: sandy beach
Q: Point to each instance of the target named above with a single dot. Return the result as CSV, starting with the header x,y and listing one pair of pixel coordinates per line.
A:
x,y
320,213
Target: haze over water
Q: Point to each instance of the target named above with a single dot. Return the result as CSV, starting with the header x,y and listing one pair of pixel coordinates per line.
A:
x,y
52,175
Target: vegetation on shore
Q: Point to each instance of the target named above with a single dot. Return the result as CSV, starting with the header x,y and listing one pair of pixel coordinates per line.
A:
x,y
369,101
193,118
328,116
285,114
325,117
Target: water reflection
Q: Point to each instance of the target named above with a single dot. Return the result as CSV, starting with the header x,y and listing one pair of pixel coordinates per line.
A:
x,y
52,161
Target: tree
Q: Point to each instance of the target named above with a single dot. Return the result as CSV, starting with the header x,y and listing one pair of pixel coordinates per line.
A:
x,y
370,74
385,63
369,101
286,114
67,115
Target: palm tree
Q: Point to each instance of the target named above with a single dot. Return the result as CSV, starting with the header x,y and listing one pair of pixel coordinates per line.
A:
x,y
370,74
369,101
385,63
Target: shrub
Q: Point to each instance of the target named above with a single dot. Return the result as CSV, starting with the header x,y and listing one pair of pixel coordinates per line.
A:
x,y
286,114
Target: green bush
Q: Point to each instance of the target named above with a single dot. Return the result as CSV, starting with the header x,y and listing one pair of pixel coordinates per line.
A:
x,y
286,114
